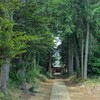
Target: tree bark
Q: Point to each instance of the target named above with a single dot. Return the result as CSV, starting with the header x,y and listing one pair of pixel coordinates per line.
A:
x,y
24,84
71,63
4,74
69,59
5,69
86,52
82,59
50,63
77,64
22,74
34,59
91,39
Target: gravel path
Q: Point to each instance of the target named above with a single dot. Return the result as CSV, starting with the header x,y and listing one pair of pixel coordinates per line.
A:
x,y
59,91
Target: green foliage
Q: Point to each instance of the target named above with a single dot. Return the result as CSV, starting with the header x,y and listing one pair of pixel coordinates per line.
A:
x,y
94,67
13,94
28,29
93,81
11,43
42,78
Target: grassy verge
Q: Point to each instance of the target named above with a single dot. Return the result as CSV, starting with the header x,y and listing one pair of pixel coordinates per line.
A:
x,y
92,81
12,94
89,81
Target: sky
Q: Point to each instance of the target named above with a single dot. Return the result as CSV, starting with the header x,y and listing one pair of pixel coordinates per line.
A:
x,y
57,55
57,41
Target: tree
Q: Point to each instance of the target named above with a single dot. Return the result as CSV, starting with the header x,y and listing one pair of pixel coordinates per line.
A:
x,y
12,43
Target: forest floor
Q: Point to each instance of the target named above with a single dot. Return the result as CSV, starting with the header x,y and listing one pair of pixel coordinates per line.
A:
x,y
77,90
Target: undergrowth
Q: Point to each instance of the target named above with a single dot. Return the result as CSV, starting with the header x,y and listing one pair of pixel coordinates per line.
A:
x,y
89,81
12,94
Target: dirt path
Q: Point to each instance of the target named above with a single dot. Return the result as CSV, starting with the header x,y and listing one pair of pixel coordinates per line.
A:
x,y
59,91
76,92
43,92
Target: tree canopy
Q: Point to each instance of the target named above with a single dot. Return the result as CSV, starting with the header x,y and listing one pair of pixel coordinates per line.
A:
x,y
27,32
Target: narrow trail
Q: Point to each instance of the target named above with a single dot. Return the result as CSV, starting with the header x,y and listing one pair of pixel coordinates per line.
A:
x,y
59,91
61,88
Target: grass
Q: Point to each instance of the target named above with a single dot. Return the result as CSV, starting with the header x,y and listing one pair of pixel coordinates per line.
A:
x,y
12,94
90,81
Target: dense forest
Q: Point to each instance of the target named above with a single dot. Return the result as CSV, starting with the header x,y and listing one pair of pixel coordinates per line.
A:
x,y
27,32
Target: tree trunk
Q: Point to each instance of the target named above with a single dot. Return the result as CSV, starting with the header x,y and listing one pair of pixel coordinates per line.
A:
x,y
5,68
24,84
71,63
34,59
22,74
50,63
86,52
69,59
77,64
82,59
38,59
4,74
91,39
